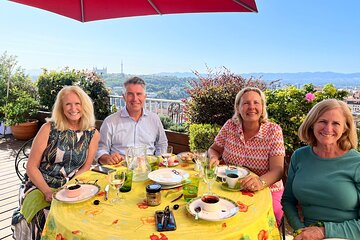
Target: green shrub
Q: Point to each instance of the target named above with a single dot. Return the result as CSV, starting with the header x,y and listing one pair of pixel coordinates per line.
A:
x,y
166,121
178,128
50,83
289,106
202,136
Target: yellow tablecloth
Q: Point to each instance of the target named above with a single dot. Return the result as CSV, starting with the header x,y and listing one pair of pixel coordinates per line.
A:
x,y
133,219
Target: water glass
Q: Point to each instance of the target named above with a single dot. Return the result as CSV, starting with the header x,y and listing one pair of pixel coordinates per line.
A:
x,y
190,190
128,181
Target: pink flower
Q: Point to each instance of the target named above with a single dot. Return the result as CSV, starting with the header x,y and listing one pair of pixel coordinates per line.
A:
x,y
309,97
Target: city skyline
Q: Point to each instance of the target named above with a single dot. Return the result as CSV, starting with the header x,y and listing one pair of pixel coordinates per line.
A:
x,y
306,36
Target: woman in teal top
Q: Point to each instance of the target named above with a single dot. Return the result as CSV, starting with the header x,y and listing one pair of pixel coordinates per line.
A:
x,y
322,192
63,148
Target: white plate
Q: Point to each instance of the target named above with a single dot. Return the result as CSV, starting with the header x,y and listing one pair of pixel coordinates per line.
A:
x,y
87,191
242,172
166,176
228,209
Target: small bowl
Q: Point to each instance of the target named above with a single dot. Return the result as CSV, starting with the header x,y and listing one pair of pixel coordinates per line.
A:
x,y
72,190
210,203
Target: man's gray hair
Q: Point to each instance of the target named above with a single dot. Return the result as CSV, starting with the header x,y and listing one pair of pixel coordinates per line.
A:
x,y
134,80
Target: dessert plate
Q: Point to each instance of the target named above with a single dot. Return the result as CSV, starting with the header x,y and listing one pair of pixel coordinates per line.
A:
x,y
227,209
87,191
168,176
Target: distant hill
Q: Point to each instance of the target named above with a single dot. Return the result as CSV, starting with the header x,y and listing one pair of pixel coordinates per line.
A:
x,y
340,80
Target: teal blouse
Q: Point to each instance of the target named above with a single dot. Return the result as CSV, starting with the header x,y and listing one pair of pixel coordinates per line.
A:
x,y
327,190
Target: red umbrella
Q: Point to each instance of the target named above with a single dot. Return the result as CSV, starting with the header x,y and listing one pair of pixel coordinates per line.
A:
x,y
91,10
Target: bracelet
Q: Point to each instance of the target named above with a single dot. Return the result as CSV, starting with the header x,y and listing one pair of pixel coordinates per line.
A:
x,y
263,183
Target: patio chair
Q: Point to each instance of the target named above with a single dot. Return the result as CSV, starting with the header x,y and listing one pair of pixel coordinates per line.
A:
x,y
282,228
20,164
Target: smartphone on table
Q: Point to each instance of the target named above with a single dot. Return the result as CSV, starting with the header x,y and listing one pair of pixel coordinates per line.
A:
x,y
102,169
165,220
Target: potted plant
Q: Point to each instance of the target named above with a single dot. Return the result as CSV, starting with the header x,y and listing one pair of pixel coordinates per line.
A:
x,y
18,113
17,95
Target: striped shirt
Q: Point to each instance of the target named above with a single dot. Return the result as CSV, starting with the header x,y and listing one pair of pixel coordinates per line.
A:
x,y
254,153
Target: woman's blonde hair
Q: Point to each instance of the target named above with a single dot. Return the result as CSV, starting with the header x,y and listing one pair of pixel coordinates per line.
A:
x,y
237,116
87,119
348,139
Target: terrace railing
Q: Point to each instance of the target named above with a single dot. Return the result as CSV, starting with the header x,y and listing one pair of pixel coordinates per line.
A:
x,y
172,108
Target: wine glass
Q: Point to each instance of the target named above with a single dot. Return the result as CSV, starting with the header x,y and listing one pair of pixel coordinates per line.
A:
x,y
210,173
166,154
200,157
116,180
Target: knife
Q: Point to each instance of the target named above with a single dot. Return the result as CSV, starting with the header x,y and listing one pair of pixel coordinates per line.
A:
x,y
107,192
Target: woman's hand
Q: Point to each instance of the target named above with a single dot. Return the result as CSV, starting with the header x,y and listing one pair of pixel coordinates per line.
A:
x,y
48,195
214,161
311,233
252,183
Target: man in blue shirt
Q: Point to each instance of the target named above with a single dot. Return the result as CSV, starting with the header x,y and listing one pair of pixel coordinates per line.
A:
x,y
131,126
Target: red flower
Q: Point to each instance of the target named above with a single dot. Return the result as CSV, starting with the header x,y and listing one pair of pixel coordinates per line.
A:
x,y
263,235
143,204
100,194
75,232
156,237
60,237
242,207
250,194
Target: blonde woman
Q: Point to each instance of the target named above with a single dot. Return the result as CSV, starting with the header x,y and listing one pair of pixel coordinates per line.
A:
x,y
64,147
250,140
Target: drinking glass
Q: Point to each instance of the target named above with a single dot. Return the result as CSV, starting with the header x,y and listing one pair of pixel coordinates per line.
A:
x,y
116,180
200,157
166,154
210,172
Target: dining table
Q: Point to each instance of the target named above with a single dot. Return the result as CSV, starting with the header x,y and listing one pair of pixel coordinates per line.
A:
x,y
133,218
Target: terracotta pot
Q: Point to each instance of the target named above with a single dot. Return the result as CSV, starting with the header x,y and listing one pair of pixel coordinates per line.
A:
x,y
25,131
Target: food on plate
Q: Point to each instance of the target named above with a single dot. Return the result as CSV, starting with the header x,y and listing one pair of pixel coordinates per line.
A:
x,y
171,160
187,156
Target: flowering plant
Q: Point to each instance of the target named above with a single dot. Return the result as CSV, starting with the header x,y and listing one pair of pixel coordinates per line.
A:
x,y
289,106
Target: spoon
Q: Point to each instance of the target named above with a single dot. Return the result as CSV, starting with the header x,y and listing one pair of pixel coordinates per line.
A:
x,y
197,210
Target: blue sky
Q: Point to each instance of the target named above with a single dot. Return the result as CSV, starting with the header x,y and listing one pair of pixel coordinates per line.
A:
x,y
285,36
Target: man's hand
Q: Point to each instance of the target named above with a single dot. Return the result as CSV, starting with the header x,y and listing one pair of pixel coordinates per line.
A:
x,y
111,159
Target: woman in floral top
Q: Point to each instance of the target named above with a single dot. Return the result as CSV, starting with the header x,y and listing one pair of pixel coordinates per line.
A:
x,y
63,148
248,139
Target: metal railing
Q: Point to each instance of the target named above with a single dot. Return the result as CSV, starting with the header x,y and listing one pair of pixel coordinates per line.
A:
x,y
171,108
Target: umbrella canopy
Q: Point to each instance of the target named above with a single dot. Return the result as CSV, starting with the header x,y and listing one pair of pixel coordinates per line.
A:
x,y
91,10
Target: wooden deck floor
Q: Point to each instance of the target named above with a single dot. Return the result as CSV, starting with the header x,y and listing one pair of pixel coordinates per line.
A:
x,y
9,184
